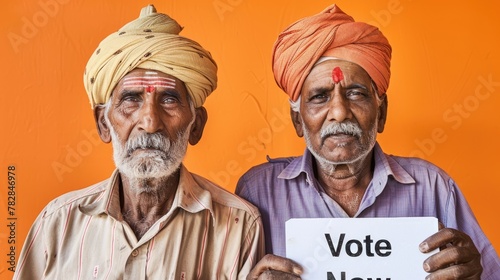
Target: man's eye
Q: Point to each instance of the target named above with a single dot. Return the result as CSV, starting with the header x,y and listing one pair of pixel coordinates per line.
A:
x,y
169,100
355,94
318,98
131,99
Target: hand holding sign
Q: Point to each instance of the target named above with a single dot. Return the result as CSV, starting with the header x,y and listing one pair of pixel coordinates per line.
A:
x,y
458,258
272,267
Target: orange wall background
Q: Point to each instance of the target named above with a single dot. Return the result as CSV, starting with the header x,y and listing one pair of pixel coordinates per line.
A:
x,y
443,97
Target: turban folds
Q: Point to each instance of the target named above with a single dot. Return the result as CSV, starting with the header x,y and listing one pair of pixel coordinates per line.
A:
x,y
330,33
150,42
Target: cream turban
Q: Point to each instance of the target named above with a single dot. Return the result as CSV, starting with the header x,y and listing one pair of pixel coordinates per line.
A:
x,y
329,33
150,42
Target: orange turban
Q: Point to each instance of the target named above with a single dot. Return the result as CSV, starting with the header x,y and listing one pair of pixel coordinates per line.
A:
x,y
150,42
330,33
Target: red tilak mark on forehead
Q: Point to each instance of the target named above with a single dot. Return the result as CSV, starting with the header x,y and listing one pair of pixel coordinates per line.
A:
x,y
150,88
337,75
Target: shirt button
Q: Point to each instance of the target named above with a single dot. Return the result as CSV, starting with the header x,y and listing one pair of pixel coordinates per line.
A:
x,y
135,253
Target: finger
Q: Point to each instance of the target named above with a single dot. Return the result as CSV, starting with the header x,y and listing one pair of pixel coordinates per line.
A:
x,y
451,256
274,263
454,263
273,274
455,272
440,226
443,237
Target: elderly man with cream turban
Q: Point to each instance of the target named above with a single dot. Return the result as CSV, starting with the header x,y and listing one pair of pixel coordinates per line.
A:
x,y
336,73
152,219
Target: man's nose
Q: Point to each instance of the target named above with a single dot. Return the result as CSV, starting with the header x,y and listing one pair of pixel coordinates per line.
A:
x,y
149,117
338,107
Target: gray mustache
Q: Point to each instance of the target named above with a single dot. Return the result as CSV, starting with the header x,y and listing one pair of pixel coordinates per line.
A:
x,y
341,128
148,141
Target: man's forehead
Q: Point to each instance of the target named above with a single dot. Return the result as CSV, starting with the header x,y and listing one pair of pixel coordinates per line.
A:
x,y
139,72
150,81
337,68
144,77
327,73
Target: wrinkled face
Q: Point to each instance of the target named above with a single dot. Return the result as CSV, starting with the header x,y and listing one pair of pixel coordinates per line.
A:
x,y
340,112
149,117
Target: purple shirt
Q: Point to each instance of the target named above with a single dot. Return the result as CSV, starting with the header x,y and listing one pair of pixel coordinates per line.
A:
x,y
286,188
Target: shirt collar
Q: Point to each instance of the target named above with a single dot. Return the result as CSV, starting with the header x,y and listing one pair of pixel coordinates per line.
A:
x,y
301,164
189,196
385,167
109,201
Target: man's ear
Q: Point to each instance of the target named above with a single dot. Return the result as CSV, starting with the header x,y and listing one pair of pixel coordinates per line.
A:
x,y
297,122
382,117
100,122
198,125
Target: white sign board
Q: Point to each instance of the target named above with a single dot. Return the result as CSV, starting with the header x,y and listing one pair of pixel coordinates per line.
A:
x,y
359,248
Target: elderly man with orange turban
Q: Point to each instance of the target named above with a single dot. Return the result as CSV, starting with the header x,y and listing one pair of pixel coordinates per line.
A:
x,y
336,73
152,219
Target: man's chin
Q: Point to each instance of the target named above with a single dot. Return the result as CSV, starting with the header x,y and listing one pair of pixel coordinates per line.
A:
x,y
148,172
338,155
139,154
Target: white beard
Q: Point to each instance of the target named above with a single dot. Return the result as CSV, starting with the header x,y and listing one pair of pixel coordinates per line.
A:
x,y
161,161
365,148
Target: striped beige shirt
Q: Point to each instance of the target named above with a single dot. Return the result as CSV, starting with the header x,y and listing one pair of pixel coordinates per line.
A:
x,y
208,233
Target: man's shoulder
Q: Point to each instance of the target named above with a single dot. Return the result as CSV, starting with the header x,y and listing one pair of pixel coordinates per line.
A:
x,y
225,198
420,170
417,164
272,166
76,197
261,180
